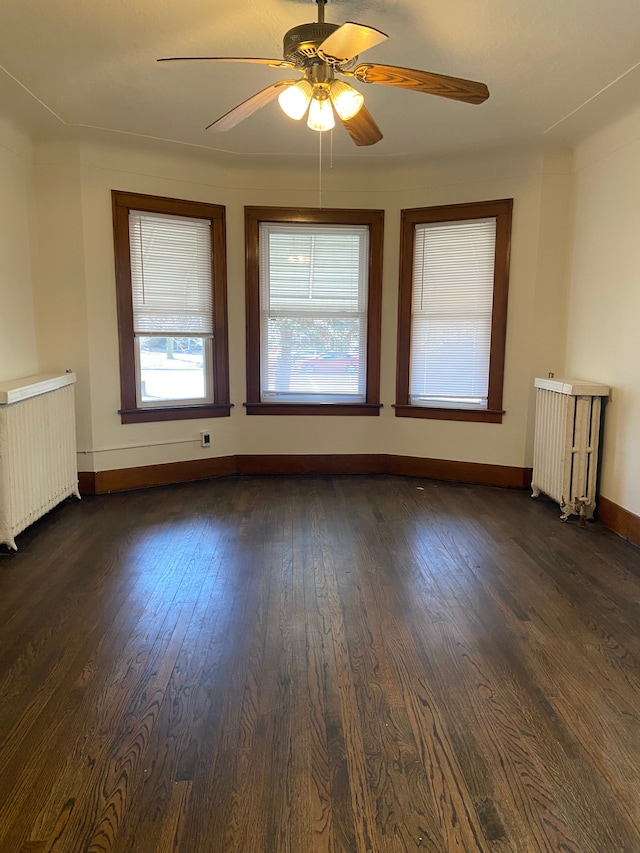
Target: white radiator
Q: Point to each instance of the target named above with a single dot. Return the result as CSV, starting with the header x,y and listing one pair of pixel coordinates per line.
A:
x,y
37,450
566,445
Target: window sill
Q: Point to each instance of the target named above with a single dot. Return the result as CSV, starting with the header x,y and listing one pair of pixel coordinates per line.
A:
x,y
486,416
174,413
332,409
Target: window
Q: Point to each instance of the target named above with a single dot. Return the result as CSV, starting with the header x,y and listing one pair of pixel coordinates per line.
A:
x,y
454,274
314,281
172,313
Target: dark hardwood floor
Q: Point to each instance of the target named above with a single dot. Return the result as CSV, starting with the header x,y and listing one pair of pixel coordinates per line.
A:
x,y
364,664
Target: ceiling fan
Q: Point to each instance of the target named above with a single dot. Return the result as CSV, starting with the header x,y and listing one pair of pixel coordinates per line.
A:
x,y
322,50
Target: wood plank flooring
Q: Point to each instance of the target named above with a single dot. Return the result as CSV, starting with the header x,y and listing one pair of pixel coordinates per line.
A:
x,y
357,664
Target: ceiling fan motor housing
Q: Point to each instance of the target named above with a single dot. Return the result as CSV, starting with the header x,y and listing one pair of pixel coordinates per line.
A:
x,y
301,43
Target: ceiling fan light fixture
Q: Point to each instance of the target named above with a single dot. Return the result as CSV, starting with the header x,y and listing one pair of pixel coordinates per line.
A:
x,y
320,112
294,100
347,101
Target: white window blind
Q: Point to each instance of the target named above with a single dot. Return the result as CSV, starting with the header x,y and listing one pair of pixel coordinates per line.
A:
x,y
313,297
452,303
170,275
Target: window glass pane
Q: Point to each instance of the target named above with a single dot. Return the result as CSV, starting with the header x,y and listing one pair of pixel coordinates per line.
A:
x,y
311,358
172,369
452,303
313,296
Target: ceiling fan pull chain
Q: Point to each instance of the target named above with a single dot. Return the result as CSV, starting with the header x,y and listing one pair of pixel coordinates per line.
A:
x,y
320,173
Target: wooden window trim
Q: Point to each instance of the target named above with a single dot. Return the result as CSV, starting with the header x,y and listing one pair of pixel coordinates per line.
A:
x,y
130,412
501,209
374,219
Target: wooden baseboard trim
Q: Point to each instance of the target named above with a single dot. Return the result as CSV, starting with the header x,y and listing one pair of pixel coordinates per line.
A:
x,y
341,463
620,520
460,472
87,482
124,479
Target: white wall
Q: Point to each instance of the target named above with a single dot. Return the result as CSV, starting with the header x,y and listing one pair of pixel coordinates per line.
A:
x,y
75,179
603,340
18,348
61,293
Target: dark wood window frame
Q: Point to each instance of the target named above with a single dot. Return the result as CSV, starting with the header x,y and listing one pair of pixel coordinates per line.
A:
x,y
374,219
122,203
502,211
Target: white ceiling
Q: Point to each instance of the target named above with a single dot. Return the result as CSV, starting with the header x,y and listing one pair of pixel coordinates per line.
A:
x,y
556,69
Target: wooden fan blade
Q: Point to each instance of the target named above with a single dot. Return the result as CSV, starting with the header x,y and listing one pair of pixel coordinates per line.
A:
x,y
423,81
349,40
248,107
255,60
362,128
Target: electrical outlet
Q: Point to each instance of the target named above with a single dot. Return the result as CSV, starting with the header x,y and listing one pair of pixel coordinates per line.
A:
x,y
205,438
